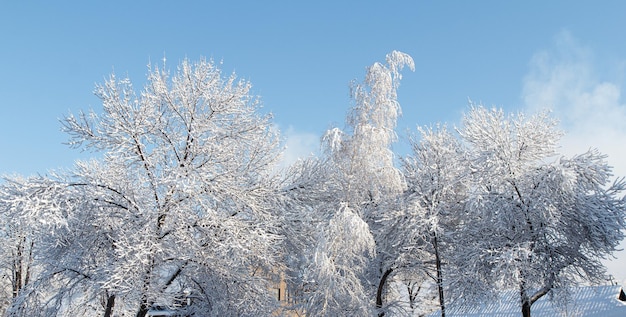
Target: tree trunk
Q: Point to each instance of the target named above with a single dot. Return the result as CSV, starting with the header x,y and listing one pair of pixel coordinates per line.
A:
x,y
143,310
410,288
144,306
30,263
109,307
442,303
18,267
526,309
524,299
379,292
17,277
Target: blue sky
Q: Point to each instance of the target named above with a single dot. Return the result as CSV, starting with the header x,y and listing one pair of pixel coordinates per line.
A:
x,y
301,55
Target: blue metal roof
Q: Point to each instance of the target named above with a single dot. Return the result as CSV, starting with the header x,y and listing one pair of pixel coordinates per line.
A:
x,y
588,301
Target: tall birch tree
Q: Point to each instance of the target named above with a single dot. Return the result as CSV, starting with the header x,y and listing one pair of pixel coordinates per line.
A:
x,y
359,169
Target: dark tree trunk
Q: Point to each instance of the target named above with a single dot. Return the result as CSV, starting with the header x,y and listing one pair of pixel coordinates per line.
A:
x,y
144,306
17,278
143,310
410,288
526,309
109,307
524,299
379,292
442,302
29,264
18,267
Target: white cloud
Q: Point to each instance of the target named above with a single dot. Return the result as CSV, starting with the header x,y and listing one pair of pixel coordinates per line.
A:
x,y
299,145
591,111
566,80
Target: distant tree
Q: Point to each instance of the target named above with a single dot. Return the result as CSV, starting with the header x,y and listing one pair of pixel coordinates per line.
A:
x,y
306,190
436,176
17,241
535,221
180,207
29,208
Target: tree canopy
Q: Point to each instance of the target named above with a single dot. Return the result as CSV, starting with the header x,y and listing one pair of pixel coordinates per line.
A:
x,y
186,209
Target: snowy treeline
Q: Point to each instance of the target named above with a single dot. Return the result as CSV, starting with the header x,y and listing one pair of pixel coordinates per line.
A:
x,y
185,209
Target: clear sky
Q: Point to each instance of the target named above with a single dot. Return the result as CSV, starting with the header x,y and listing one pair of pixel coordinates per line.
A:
x,y
300,56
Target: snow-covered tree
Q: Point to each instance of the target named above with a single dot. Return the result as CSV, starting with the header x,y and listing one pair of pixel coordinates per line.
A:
x,y
17,241
358,172
436,177
363,153
178,212
30,208
184,208
536,221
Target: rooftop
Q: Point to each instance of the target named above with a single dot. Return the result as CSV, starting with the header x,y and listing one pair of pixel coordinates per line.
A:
x,y
588,301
